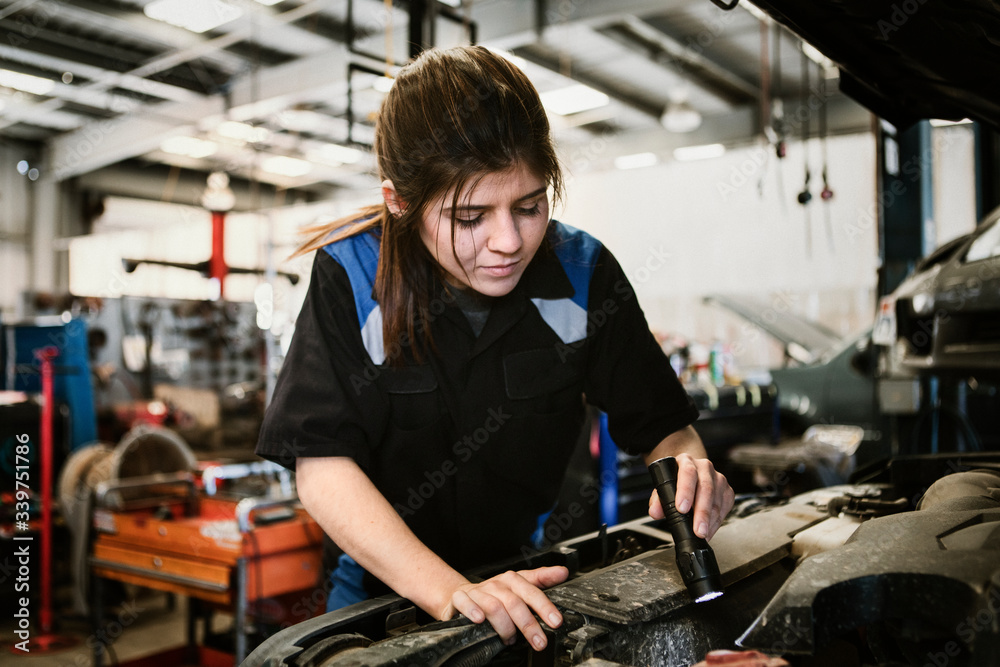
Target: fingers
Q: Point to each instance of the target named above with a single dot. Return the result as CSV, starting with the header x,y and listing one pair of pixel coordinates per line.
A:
x,y
544,577
507,601
655,508
701,485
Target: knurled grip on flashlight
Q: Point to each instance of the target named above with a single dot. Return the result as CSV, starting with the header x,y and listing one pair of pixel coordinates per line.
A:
x,y
695,559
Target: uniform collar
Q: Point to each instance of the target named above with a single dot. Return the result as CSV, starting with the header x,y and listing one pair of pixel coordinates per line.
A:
x,y
545,278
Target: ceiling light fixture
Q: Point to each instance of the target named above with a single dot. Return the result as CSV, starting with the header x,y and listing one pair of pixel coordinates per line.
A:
x,y
26,83
382,84
194,15
680,117
573,99
232,129
941,122
281,165
334,155
188,146
689,153
636,161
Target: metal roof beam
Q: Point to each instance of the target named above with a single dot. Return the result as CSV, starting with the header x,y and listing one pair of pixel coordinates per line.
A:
x,y
124,81
514,23
98,144
640,36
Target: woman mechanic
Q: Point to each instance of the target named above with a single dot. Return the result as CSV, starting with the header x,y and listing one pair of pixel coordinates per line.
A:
x,y
435,384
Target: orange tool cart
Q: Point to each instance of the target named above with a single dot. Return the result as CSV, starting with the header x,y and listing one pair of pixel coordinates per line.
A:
x,y
239,555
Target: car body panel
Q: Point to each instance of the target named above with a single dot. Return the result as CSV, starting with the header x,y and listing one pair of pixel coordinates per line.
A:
x,y
947,315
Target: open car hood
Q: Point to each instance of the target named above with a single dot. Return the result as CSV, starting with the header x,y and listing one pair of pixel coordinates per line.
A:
x,y
805,340
907,59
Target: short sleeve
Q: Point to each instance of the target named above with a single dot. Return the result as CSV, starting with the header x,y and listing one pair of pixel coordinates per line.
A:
x,y
325,402
628,375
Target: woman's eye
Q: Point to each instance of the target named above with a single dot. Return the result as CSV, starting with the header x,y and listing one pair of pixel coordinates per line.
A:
x,y
469,222
530,211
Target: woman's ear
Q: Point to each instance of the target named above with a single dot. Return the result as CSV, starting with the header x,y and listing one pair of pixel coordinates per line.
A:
x,y
392,201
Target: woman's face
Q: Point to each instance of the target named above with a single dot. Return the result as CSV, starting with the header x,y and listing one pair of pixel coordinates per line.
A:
x,y
499,225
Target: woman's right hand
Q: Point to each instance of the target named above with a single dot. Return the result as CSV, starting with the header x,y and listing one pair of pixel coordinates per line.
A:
x,y
509,601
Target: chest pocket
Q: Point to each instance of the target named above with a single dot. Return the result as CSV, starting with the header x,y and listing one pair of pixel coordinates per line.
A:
x,y
414,399
545,404
545,380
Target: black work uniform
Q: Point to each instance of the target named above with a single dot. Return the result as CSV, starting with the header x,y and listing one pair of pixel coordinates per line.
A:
x,y
470,446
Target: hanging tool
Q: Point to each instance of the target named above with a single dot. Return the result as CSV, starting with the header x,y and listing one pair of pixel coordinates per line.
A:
x,y
826,194
805,196
695,558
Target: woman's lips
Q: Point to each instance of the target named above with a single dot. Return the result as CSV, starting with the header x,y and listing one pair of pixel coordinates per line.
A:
x,y
500,270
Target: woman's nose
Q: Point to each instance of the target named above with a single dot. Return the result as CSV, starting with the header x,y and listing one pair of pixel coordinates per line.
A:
x,y
505,234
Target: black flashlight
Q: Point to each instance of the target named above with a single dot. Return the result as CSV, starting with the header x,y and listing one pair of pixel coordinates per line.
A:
x,y
695,559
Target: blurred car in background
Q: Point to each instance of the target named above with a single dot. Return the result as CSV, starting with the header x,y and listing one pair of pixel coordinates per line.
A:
x,y
827,378
945,317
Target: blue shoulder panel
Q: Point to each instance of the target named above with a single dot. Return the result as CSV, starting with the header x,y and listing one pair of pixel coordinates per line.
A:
x,y
577,252
358,255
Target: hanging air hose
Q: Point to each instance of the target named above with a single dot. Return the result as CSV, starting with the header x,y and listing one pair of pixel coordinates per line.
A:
x,y
805,196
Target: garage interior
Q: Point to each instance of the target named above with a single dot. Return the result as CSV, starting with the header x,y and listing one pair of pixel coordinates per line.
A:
x,y
805,199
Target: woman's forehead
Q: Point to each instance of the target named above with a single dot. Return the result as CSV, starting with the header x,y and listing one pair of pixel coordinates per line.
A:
x,y
517,181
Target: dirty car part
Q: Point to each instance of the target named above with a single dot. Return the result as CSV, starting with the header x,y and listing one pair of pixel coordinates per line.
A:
x,y
922,578
838,567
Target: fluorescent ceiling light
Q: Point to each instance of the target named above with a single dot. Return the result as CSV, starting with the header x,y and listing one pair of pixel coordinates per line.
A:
x,y
193,15
268,3
573,99
285,166
27,83
813,54
940,122
242,132
451,3
520,62
334,155
189,146
689,153
382,84
756,13
636,160
302,120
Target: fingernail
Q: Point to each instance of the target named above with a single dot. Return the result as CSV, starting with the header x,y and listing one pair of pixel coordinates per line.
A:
x,y
510,641
702,529
476,616
684,506
554,619
538,641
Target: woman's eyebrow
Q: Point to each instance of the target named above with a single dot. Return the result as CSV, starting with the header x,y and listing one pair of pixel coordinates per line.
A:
x,y
482,207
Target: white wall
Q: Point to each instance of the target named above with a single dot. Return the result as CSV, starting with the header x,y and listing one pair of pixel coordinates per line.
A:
x,y
954,182
728,225
15,214
732,225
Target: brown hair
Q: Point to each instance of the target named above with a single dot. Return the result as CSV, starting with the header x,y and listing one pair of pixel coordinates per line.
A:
x,y
452,116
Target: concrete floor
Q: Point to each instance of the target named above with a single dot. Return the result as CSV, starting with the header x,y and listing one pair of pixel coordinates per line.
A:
x,y
143,624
